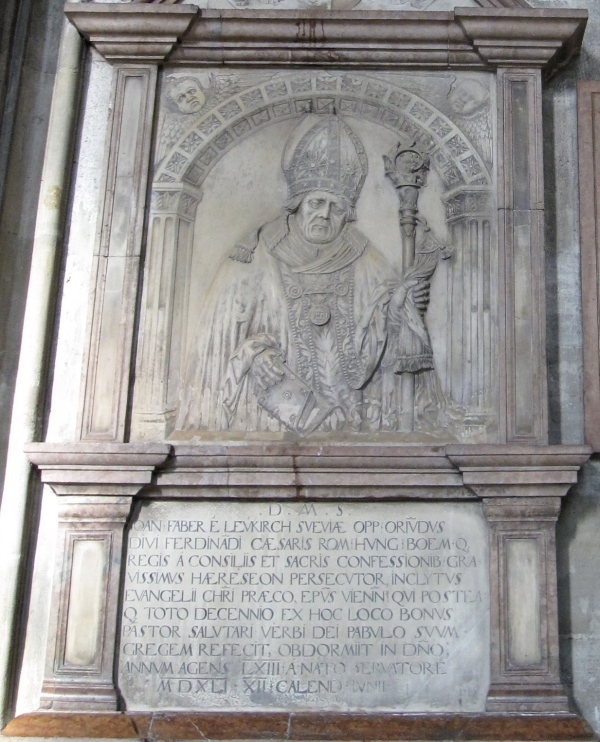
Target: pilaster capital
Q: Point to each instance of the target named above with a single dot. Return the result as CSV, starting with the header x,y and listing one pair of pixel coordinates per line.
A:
x,y
90,472
132,33
176,198
93,512
521,509
523,37
506,471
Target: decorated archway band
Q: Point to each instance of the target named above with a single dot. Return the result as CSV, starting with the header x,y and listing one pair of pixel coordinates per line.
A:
x,y
202,123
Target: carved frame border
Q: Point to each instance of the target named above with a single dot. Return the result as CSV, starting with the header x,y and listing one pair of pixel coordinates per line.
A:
x,y
466,38
517,44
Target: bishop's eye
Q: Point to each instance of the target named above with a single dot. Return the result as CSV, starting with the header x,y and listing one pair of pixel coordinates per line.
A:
x,y
192,91
315,203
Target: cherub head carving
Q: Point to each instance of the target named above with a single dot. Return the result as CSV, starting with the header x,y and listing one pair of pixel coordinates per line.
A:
x,y
186,94
467,96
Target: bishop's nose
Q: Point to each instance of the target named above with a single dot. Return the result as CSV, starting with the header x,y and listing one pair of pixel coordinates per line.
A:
x,y
324,210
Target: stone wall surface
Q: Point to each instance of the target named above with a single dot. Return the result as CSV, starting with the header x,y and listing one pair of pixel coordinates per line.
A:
x,y
22,155
578,544
578,547
69,333
27,71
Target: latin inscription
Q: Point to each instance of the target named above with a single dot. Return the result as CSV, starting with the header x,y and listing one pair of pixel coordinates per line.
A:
x,y
324,605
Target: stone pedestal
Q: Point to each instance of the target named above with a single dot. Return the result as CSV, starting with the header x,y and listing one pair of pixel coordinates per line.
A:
x,y
522,493
90,542
525,672
520,487
95,484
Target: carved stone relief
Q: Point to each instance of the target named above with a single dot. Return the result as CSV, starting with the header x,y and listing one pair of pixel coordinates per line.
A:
x,y
335,206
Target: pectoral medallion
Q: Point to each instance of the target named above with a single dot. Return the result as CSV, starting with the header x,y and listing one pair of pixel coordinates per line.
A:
x,y
319,314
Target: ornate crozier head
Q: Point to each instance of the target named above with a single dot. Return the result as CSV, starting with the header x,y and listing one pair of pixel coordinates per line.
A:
x,y
324,156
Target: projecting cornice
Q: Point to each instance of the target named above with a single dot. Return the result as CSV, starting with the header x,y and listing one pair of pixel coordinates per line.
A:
x,y
467,38
132,33
523,36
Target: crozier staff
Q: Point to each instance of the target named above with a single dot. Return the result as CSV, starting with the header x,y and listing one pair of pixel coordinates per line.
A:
x,y
304,325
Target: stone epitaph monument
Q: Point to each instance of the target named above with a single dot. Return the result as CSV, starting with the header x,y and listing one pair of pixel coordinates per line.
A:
x,y
312,495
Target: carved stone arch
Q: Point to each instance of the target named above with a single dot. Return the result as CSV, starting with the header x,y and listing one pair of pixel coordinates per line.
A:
x,y
352,95
467,181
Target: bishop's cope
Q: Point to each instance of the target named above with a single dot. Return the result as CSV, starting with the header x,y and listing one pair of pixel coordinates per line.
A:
x,y
306,326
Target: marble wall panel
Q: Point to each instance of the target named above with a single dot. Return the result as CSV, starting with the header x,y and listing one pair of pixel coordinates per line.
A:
x,y
337,606
578,547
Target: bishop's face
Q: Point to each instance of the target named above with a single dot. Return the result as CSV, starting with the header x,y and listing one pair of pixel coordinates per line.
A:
x,y
321,216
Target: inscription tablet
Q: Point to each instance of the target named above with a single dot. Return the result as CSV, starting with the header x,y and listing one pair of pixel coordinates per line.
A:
x,y
269,605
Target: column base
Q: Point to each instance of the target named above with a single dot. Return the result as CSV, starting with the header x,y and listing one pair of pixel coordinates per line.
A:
x,y
153,426
73,695
541,699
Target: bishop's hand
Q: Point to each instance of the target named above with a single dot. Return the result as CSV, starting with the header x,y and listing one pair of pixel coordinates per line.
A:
x,y
420,296
267,368
417,290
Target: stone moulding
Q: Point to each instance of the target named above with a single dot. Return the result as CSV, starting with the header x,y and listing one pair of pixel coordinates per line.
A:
x,y
296,471
482,3
136,34
377,472
303,726
467,38
102,469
